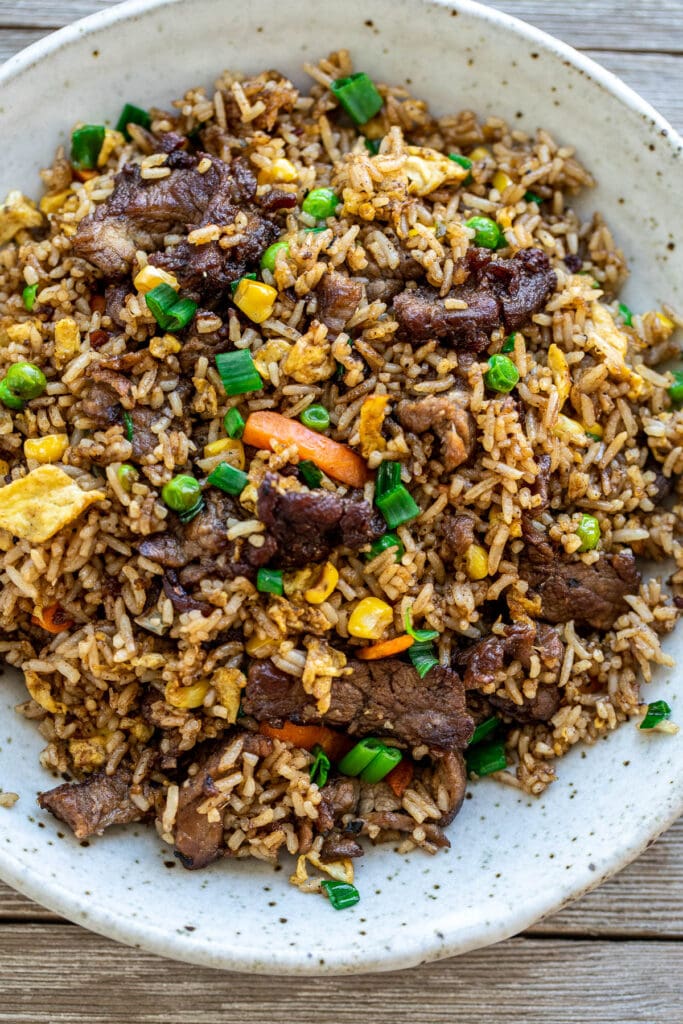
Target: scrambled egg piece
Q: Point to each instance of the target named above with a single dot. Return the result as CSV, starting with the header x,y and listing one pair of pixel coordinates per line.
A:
x,y
323,664
17,212
42,503
228,684
271,352
612,345
372,413
40,691
310,359
427,170
88,754
67,341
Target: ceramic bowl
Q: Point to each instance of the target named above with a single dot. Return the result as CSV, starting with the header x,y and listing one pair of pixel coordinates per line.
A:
x,y
513,859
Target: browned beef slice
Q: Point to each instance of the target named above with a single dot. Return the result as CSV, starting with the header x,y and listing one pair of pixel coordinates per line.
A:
x,y
503,292
455,534
486,659
199,841
448,417
91,806
339,797
338,298
308,525
386,697
179,598
337,846
591,595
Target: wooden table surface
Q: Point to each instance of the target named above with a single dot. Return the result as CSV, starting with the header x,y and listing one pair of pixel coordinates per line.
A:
x,y
614,957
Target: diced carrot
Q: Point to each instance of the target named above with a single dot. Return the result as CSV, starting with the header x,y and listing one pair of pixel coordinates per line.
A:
x,y
335,744
83,174
337,460
54,619
386,648
400,777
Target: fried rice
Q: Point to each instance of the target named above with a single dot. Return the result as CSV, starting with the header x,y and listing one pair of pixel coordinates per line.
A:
x,y
142,672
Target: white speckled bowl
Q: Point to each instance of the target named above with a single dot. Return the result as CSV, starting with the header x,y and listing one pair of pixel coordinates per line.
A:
x,y
513,859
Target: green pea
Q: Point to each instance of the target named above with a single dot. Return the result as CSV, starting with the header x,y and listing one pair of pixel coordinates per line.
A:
x,y
269,257
676,389
502,374
316,417
487,234
26,380
320,203
181,493
8,398
127,475
589,532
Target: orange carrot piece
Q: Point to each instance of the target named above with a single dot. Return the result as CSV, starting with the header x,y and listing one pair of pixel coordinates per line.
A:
x,y
335,744
54,619
400,777
337,460
386,648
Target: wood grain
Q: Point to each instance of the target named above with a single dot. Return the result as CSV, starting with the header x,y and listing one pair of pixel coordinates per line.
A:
x,y
523,980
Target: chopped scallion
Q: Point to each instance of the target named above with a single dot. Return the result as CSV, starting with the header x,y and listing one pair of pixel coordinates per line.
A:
x,y
228,479
132,115
234,423
509,343
309,473
657,712
86,143
397,506
421,635
486,758
423,657
483,729
170,312
341,894
29,296
360,756
372,145
269,581
320,769
389,540
238,373
464,161
128,430
186,517
384,761
388,477
532,197
358,95
315,417
626,314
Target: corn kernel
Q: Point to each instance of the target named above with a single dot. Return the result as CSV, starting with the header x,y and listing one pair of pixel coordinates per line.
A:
x,y
228,684
328,580
569,430
501,181
280,170
476,562
164,346
370,618
480,153
665,321
46,449
67,341
186,696
255,299
51,204
230,447
151,277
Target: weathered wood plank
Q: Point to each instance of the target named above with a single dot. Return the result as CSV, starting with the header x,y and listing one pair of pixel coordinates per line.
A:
x,y
522,980
605,24
644,900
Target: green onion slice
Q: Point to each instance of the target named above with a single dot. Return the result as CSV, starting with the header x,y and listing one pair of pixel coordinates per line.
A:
x,y
234,423
315,417
626,314
128,429
464,161
29,296
309,473
509,343
198,507
358,95
320,769
86,143
483,729
360,756
532,197
238,373
423,657
228,479
657,712
372,145
341,894
382,763
421,635
132,115
388,477
397,506
269,581
170,312
486,758
389,540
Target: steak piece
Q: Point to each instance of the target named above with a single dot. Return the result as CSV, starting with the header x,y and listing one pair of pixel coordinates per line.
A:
x,y
455,534
503,292
591,595
91,806
308,525
486,659
338,299
448,417
386,697
199,841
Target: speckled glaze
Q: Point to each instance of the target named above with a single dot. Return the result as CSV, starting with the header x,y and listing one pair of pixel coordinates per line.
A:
x,y
513,859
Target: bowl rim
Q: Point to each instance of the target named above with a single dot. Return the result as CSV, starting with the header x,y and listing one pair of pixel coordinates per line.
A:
x,y
126,929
